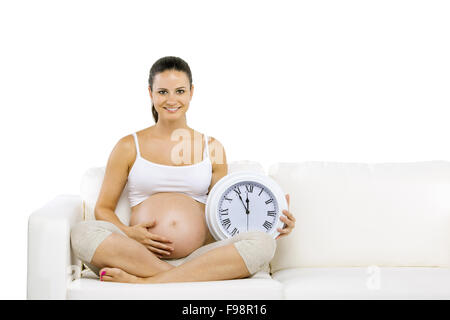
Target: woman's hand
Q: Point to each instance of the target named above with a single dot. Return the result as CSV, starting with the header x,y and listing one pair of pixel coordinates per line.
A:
x,y
151,241
289,222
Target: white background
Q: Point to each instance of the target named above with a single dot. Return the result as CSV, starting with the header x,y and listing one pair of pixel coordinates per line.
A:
x,y
354,81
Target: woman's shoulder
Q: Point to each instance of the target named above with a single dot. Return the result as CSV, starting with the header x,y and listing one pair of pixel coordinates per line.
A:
x,y
216,152
129,141
126,148
212,141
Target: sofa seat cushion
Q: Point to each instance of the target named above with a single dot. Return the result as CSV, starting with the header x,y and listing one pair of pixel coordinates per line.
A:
x,y
260,287
365,283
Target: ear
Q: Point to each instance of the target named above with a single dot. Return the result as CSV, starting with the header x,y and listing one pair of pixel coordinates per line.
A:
x,y
150,91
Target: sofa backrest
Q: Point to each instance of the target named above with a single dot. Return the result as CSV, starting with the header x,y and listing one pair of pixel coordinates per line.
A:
x,y
92,180
356,214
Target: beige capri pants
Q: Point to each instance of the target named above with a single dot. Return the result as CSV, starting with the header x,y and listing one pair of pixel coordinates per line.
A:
x,y
256,248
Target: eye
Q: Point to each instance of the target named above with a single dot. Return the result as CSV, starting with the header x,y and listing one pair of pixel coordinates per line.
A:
x,y
164,91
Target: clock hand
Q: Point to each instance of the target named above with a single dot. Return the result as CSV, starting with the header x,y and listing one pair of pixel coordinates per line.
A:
x,y
242,203
248,211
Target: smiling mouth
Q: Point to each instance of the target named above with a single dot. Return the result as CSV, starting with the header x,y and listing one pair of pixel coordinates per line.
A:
x,y
172,110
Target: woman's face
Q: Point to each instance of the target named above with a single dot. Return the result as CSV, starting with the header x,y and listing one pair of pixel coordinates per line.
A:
x,y
171,94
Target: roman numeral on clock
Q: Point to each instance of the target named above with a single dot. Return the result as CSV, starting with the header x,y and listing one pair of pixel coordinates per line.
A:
x,y
237,190
228,199
249,187
235,230
267,225
226,223
269,201
271,213
224,211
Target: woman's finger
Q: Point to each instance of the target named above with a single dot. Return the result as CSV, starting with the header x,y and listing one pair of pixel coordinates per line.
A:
x,y
289,220
283,233
286,230
288,223
289,215
159,245
159,255
159,238
158,251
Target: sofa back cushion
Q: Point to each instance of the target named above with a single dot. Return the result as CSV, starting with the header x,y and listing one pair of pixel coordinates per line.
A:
x,y
92,180
356,214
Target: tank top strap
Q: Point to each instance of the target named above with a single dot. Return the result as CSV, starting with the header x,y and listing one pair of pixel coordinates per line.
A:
x,y
206,152
137,144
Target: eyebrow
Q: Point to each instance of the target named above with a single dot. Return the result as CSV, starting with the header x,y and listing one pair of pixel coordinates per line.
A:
x,y
175,88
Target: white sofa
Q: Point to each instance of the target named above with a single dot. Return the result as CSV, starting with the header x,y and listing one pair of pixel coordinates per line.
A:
x,y
363,231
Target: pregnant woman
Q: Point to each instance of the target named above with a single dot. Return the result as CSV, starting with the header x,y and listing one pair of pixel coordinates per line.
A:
x,y
167,239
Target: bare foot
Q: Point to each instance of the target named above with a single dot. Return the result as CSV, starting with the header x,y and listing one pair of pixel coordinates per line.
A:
x,y
118,275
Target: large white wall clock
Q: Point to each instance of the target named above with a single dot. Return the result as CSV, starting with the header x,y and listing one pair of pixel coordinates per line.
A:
x,y
245,201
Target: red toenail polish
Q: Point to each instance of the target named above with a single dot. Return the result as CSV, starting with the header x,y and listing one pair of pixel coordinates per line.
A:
x,y
103,273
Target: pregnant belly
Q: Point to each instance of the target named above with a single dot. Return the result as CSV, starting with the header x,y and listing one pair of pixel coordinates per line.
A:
x,y
178,217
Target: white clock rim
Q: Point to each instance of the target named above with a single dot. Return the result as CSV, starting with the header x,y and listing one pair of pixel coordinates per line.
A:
x,y
230,179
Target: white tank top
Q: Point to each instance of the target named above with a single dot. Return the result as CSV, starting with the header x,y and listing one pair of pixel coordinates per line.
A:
x,y
146,178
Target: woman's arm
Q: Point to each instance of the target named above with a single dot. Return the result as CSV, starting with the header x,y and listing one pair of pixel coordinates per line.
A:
x,y
219,161
115,179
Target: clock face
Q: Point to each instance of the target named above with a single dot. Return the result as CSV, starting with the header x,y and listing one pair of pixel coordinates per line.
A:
x,y
247,206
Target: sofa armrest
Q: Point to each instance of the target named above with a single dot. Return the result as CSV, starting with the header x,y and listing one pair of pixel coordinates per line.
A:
x,y
50,258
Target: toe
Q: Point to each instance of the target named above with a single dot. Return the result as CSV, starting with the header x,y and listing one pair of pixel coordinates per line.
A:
x,y
103,272
114,272
116,275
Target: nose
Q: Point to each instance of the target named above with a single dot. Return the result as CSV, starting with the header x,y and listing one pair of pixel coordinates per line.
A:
x,y
171,99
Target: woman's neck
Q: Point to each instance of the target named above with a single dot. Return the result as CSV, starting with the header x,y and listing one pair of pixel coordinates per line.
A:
x,y
165,129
